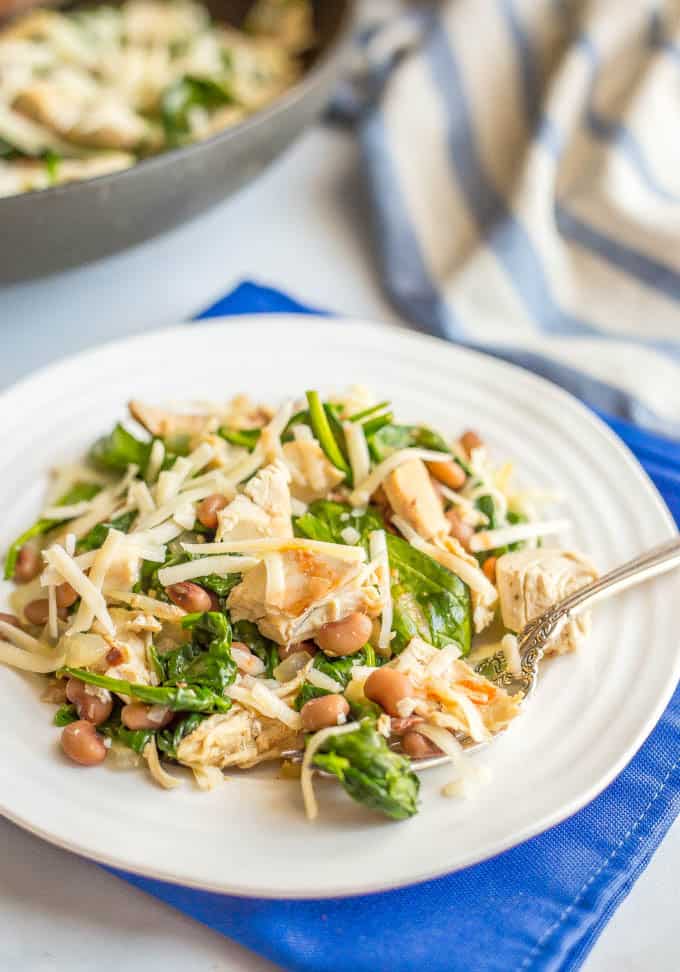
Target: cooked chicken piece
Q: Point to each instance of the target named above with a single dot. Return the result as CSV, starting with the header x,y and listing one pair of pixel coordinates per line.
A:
x,y
169,425
412,496
312,475
75,108
291,595
287,22
446,687
262,510
238,738
128,656
530,581
243,413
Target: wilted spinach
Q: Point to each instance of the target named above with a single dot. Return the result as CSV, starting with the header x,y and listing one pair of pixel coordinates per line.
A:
x,y
370,771
116,451
77,494
267,651
188,93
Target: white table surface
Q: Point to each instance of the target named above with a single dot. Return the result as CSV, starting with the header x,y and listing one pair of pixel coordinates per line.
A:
x,y
301,227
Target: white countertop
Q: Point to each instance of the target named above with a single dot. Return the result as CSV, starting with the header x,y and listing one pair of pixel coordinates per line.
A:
x,y
303,227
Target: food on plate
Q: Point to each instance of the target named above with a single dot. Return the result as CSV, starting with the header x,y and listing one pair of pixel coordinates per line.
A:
x,y
230,584
92,90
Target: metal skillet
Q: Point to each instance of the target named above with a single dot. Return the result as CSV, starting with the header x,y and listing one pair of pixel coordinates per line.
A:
x,y
66,226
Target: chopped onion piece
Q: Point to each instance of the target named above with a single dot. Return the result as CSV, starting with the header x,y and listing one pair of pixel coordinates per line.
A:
x,y
41,664
161,776
321,680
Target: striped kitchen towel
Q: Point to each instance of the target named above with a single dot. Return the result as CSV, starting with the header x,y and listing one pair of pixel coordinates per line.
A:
x,y
522,161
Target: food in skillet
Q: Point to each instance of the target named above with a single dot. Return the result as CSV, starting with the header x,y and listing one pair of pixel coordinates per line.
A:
x,y
93,90
234,584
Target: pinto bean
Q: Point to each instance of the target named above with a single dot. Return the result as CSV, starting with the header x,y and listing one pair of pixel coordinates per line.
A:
x,y
66,596
471,440
190,597
136,715
209,508
417,746
38,612
345,637
28,564
449,473
89,706
325,711
83,744
388,687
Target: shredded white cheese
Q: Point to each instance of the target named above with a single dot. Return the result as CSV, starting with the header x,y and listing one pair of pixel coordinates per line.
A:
x,y
101,564
267,545
363,491
378,550
156,459
275,586
203,566
66,512
323,681
490,539
314,743
66,566
510,647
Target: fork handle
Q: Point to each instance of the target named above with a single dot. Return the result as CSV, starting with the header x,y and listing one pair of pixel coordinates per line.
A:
x,y
656,561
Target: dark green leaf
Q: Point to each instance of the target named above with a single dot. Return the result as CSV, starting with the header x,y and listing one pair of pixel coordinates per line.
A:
x,y
206,660
267,651
168,740
97,535
185,94
339,669
65,714
178,698
120,449
77,494
370,772
429,600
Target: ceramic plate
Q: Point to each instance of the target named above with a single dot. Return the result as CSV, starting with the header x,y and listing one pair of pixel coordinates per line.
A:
x,y
591,712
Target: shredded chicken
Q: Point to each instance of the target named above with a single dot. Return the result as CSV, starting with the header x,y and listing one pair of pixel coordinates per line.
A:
x,y
238,738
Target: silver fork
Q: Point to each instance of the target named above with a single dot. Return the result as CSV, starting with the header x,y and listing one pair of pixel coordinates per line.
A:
x,y
536,636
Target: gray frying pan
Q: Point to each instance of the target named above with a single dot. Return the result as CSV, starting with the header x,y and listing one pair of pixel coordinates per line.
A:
x,y
43,232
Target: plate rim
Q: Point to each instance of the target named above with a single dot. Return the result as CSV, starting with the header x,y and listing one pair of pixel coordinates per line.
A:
x,y
406,337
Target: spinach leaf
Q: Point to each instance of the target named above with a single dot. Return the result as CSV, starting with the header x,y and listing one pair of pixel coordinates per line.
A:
x,y
325,520
97,535
118,450
185,94
65,714
77,494
168,740
386,439
206,660
267,651
52,162
339,669
487,505
370,772
429,600
181,698
217,584
135,739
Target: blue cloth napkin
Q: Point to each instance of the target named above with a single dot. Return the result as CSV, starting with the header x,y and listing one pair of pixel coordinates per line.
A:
x,y
525,196
536,908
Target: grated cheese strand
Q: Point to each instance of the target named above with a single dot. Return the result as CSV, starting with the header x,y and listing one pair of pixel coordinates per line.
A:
x,y
363,491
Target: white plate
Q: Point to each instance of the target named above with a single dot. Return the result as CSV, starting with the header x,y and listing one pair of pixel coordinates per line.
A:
x,y
250,837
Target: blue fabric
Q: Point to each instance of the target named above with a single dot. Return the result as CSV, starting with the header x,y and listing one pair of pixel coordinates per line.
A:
x,y
520,188
536,908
